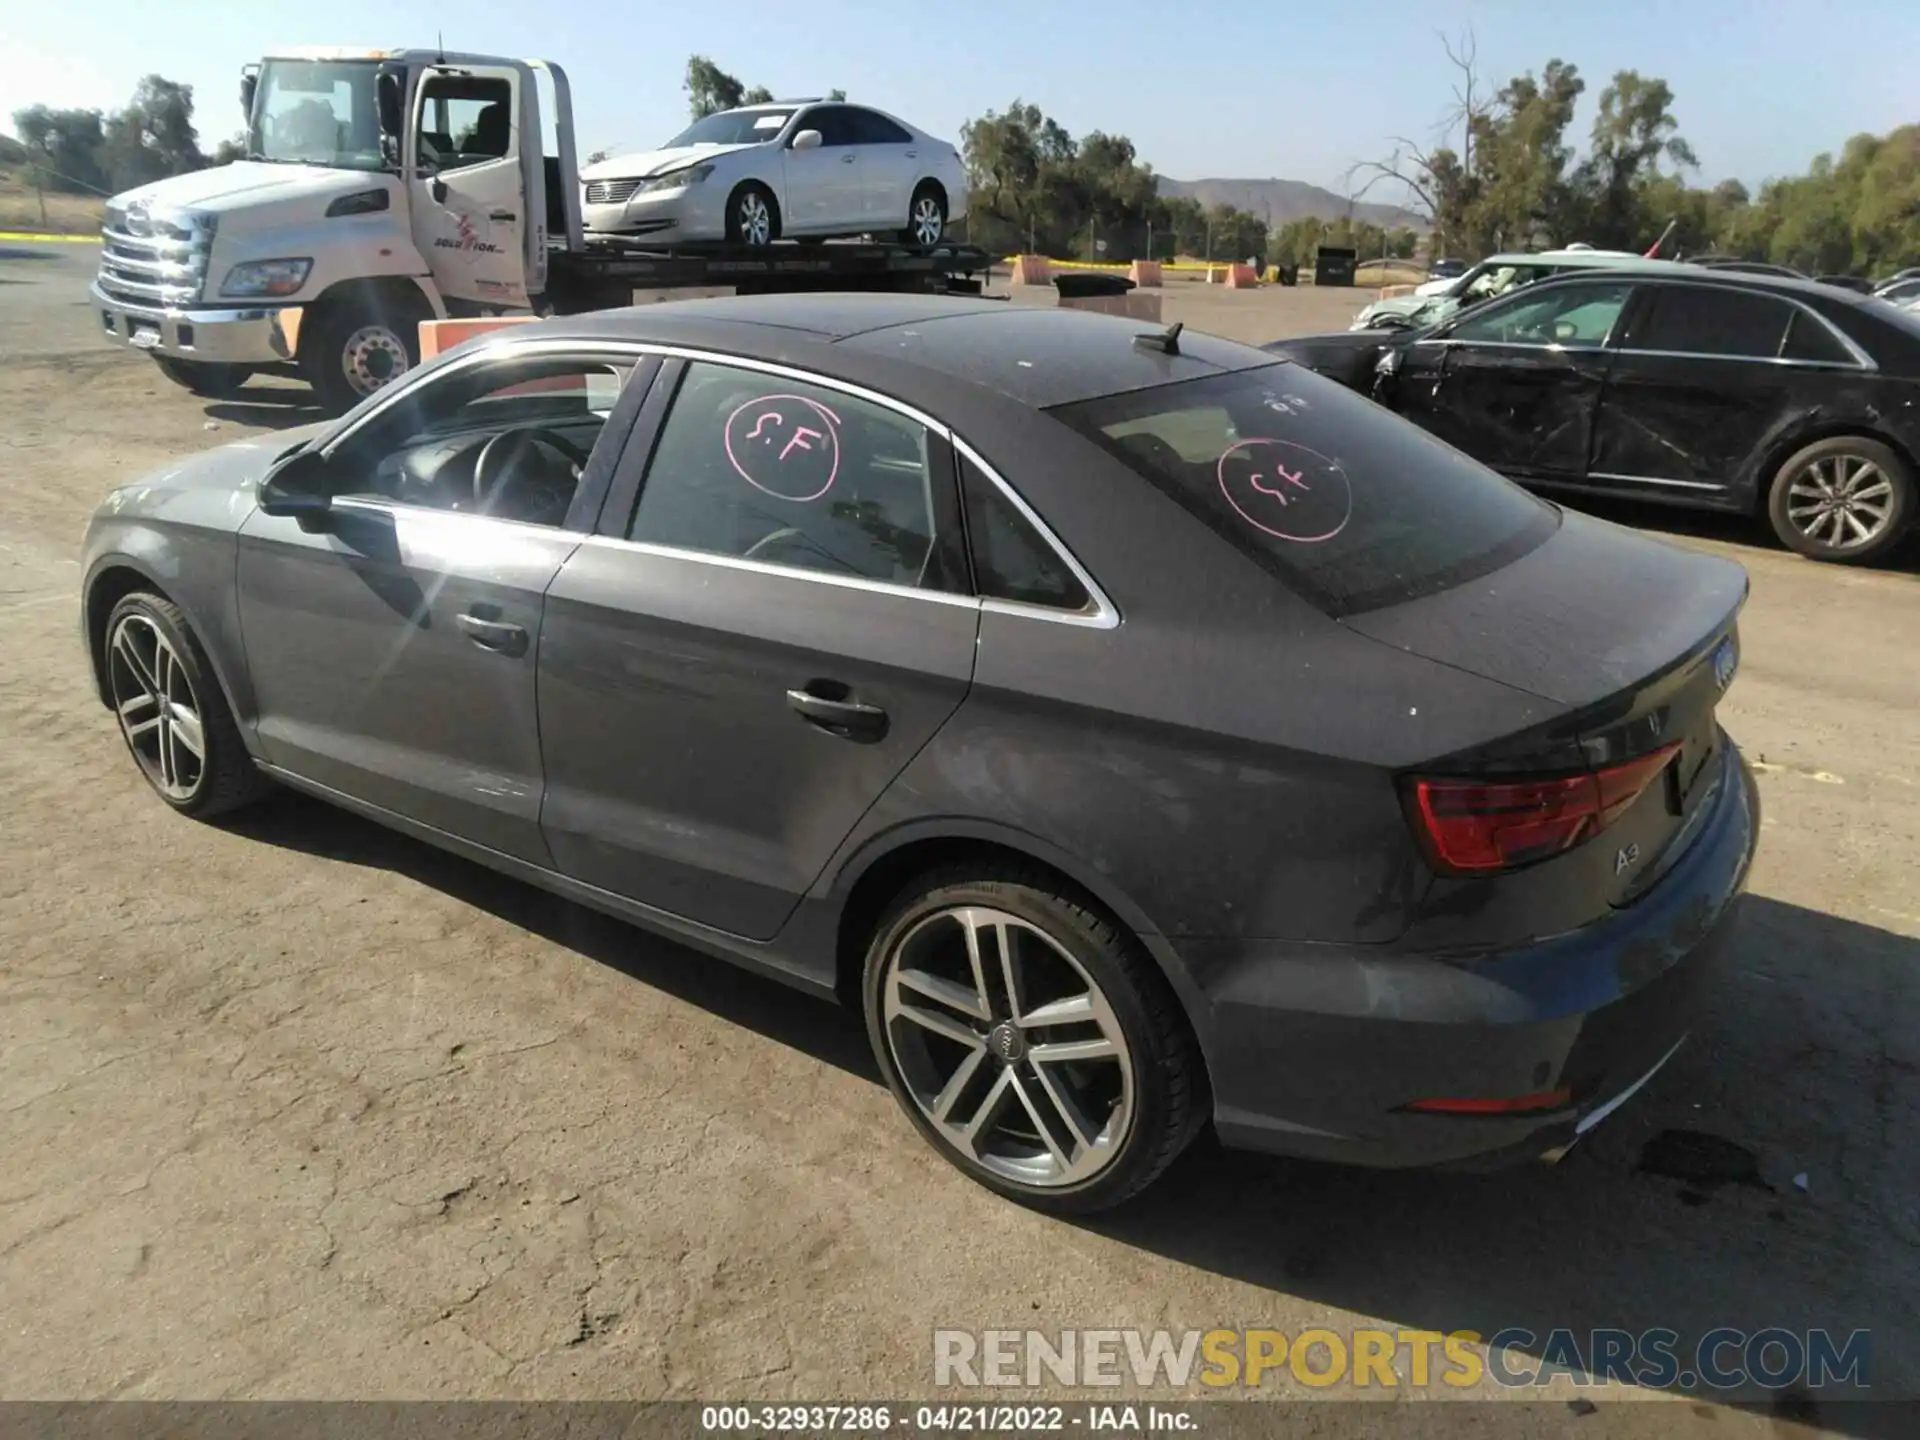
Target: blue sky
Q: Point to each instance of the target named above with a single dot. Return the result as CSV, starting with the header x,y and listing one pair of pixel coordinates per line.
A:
x,y
1297,91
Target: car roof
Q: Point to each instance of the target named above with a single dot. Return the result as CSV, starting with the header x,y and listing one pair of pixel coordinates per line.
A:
x,y
1039,356
1589,259
1729,280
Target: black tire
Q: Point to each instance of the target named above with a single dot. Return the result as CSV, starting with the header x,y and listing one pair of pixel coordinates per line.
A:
x,y
215,382
744,221
359,343
1162,1057
226,777
926,217
1888,512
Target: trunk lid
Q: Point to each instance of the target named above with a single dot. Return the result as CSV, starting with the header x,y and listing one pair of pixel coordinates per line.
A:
x,y
1637,638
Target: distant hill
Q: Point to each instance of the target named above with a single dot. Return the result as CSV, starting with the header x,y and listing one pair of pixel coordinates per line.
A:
x,y
1289,200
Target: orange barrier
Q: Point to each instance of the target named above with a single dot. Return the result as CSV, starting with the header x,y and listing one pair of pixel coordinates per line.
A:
x,y
1131,306
1031,270
1242,277
439,336
1144,272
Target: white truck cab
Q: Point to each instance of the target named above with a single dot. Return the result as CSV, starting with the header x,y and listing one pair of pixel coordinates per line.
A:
x,y
381,188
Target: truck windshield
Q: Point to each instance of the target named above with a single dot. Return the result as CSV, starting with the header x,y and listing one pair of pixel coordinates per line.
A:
x,y
308,112
732,127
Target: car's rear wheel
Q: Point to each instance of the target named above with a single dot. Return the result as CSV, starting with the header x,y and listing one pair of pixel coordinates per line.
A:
x,y
926,218
1846,499
753,215
214,381
171,712
1030,1040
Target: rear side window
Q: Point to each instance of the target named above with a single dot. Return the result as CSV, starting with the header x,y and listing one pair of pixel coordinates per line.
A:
x,y
759,467
1808,339
1350,506
875,129
1697,320
1010,559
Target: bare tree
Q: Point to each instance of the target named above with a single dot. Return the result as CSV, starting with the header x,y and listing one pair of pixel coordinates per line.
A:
x,y
1434,176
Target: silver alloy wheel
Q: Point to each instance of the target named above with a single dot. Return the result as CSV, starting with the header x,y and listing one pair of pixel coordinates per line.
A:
x,y
373,356
1008,1047
1843,501
927,223
756,220
159,713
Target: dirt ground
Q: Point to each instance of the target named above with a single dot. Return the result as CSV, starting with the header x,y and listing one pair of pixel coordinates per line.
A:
x,y
299,1108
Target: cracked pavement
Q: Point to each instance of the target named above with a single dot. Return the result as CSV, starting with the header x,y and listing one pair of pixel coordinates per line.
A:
x,y
300,1108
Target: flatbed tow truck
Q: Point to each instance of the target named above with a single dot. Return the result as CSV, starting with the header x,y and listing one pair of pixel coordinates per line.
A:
x,y
383,188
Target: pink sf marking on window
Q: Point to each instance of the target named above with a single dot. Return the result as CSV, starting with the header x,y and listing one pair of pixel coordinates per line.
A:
x,y
800,439
1280,472
774,415
830,434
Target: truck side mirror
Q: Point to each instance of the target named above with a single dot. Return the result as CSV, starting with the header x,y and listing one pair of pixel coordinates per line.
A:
x,y
249,82
390,93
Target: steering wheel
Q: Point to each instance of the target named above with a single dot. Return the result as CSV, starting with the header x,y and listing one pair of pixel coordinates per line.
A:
x,y
510,460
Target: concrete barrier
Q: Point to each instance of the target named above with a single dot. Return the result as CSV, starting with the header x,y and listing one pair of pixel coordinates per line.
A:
x,y
1145,272
1032,270
439,336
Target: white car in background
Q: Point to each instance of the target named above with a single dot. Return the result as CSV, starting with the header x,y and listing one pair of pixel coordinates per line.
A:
x,y
812,168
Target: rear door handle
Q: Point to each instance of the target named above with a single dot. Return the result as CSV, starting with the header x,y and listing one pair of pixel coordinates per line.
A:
x,y
505,217
913,154
848,159
495,635
836,714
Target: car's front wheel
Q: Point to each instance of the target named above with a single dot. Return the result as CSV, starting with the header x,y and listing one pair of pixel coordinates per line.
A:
x,y
1848,499
1030,1040
171,711
753,215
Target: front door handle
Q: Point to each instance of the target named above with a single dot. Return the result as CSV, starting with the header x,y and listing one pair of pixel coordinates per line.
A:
x,y
848,159
505,217
495,635
913,154
828,706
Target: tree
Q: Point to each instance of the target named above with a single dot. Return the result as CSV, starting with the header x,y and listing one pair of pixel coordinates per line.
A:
x,y
758,95
154,136
836,94
64,148
710,89
1633,132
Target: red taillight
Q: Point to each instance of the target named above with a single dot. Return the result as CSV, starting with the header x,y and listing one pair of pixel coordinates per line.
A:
x,y
1472,827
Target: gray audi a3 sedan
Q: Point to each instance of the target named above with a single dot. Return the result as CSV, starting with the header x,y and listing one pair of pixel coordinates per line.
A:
x,y
1141,731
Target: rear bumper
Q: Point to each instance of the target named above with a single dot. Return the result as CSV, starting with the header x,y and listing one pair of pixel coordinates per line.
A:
x,y
1315,1051
210,336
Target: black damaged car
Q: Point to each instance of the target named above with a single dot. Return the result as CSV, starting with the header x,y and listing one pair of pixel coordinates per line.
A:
x,y
1719,390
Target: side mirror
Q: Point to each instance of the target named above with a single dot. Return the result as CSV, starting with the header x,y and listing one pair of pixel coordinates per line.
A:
x,y
249,82
808,140
297,487
390,94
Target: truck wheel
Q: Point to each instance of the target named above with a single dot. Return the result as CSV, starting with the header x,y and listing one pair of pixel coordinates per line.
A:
x,y
361,344
753,216
215,382
926,217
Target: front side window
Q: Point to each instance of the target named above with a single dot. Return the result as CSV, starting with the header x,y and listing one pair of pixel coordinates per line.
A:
x,y
1351,507
761,467
1712,320
509,439
1576,316
835,124
317,113
465,120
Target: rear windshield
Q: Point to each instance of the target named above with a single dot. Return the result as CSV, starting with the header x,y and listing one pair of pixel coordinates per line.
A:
x,y
1352,506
